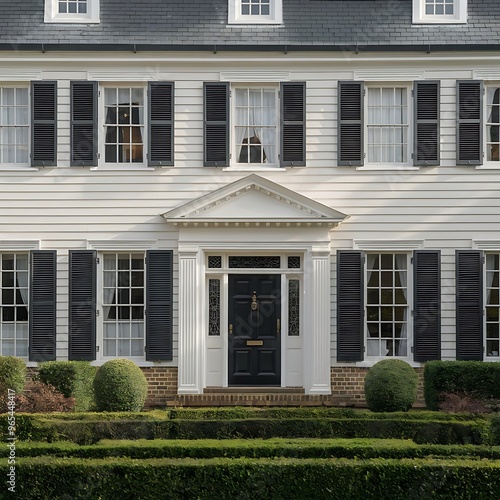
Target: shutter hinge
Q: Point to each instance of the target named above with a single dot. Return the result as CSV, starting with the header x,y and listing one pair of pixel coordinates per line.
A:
x,y
411,260
97,348
484,259
412,349
230,94
413,95
484,90
364,348
97,260
364,92
98,93
412,314
412,156
279,94
97,312
364,155
98,156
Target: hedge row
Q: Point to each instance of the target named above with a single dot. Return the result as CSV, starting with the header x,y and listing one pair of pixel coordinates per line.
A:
x,y
89,432
58,478
255,448
478,379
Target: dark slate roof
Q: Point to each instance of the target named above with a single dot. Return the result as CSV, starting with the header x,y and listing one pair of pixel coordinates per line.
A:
x,y
202,24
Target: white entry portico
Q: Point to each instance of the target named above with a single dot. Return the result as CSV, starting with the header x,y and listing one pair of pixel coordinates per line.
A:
x,y
244,221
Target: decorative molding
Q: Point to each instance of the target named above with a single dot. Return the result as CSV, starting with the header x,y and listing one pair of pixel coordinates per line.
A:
x,y
486,74
388,245
121,75
19,74
121,244
255,76
486,245
19,245
389,75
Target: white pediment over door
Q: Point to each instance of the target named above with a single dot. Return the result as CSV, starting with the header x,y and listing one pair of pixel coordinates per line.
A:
x,y
254,201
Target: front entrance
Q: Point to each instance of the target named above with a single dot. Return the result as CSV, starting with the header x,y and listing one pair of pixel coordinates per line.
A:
x,y
254,329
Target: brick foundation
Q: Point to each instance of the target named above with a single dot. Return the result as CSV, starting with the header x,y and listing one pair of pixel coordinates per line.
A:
x,y
162,385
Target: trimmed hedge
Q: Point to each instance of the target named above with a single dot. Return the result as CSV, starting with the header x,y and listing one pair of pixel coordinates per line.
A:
x,y
475,378
254,448
255,479
71,378
391,385
120,385
92,431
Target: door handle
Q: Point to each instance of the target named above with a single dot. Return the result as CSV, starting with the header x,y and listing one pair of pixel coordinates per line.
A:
x,y
230,328
278,325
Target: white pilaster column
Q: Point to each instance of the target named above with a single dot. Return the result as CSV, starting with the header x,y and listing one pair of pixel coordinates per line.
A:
x,y
189,346
317,330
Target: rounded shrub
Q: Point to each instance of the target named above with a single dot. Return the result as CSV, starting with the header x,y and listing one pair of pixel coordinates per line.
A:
x,y
390,385
12,373
120,385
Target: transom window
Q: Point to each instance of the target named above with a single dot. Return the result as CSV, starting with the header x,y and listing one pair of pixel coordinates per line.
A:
x,y
255,11
255,126
123,304
387,125
492,123
387,305
124,125
492,305
14,304
14,125
72,6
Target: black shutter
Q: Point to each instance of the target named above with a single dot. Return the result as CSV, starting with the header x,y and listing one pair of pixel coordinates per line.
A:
x,y
42,306
161,124
82,305
427,305
469,122
216,124
350,306
350,123
426,122
293,124
83,124
159,292
469,304
43,124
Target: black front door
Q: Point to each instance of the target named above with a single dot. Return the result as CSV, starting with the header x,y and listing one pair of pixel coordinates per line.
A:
x,y
254,329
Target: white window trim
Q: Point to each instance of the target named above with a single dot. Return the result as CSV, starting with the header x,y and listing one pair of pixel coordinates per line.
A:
x,y
408,165
459,16
487,164
485,324
275,16
52,14
369,361
102,165
252,167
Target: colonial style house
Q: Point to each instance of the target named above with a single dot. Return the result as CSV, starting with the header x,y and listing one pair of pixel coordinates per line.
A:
x,y
254,200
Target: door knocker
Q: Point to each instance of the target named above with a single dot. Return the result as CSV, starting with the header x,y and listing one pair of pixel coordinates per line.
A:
x,y
254,304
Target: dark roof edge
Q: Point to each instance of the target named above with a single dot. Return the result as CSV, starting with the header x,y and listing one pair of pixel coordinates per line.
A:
x,y
283,48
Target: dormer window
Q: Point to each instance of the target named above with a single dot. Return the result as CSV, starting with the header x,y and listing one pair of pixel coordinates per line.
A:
x,y
72,11
439,11
255,12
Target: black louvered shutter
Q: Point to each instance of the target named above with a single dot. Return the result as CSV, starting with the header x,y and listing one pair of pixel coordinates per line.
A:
x,y
159,290
161,124
350,306
426,113
83,124
350,123
42,306
43,124
293,124
469,304
427,305
469,122
82,305
216,124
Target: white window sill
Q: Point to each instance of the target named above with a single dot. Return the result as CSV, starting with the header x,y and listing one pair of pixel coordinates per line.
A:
x,y
72,20
488,166
369,362
387,167
254,22
141,362
24,168
439,20
121,168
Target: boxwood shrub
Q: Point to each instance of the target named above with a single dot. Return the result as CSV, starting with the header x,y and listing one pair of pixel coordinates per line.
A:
x,y
71,378
390,385
120,385
12,373
474,378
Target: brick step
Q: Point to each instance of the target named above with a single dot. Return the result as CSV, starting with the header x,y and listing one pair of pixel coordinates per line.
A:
x,y
253,390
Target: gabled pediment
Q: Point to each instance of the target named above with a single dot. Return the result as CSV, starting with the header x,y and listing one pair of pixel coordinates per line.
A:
x,y
254,200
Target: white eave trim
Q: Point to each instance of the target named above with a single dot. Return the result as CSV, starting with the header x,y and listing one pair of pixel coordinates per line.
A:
x,y
206,222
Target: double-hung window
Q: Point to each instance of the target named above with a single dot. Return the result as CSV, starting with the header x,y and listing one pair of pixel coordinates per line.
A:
x,y
14,125
388,125
255,11
388,305
122,125
120,305
439,11
252,126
